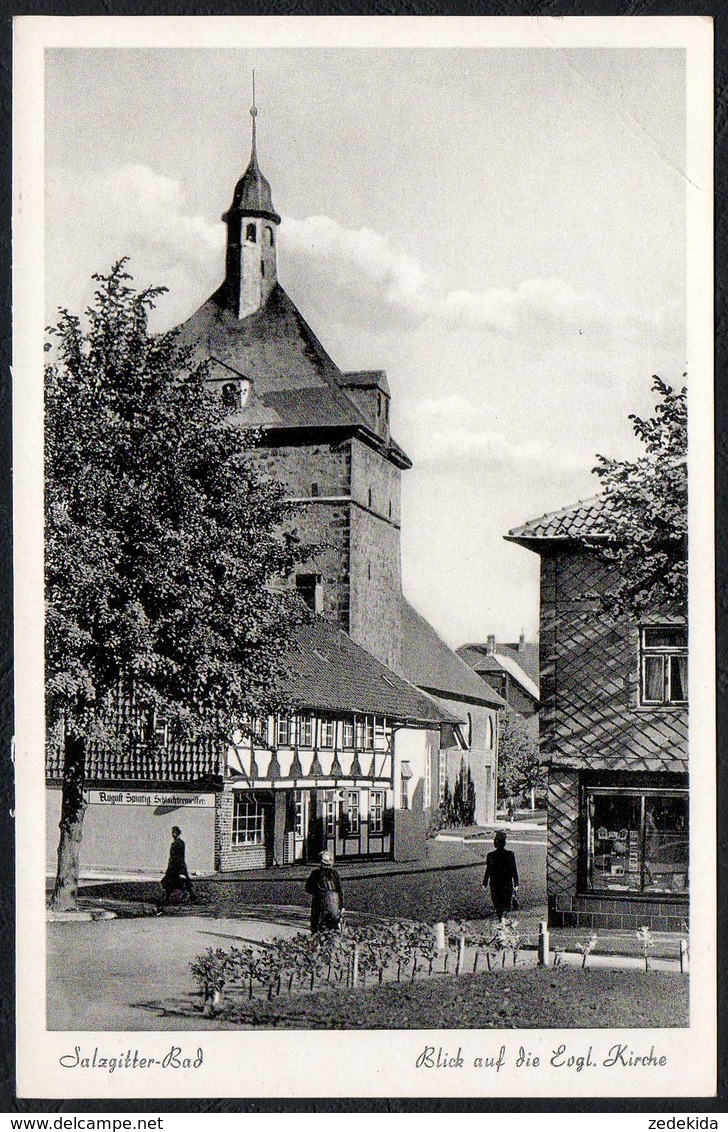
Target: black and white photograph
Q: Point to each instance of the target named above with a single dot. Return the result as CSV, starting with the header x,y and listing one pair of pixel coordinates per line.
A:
x,y
362,370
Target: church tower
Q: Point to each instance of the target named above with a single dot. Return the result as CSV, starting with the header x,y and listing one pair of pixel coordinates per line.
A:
x,y
252,223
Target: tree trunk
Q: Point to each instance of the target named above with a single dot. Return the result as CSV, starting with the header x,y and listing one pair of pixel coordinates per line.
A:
x,y
73,807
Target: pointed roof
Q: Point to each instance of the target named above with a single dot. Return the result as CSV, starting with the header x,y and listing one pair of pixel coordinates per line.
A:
x,y
252,196
428,662
328,671
295,382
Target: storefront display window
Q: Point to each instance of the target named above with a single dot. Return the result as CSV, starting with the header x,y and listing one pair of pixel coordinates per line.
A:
x,y
637,841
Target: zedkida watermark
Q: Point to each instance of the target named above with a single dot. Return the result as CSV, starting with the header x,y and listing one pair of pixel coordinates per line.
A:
x,y
175,1058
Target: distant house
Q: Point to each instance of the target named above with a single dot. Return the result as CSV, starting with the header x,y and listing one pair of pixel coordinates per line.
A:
x,y
430,664
512,672
614,732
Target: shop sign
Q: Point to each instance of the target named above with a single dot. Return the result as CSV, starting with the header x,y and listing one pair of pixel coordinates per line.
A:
x,y
149,798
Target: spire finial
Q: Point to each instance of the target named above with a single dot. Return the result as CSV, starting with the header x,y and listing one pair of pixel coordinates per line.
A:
x,y
253,115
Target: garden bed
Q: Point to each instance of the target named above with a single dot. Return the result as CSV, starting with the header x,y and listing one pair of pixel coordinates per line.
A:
x,y
523,997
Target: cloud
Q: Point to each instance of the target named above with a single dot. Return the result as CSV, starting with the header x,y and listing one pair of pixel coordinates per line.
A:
x,y
361,276
444,431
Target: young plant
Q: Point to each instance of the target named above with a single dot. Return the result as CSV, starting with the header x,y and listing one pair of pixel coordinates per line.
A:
x,y
644,936
210,972
586,946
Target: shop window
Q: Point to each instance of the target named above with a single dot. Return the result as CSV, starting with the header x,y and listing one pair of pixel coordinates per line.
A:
x,y
248,821
365,732
664,665
250,234
347,733
305,730
283,731
376,811
637,841
328,731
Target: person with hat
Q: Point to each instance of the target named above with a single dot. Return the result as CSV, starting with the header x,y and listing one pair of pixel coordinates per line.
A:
x,y
327,904
502,873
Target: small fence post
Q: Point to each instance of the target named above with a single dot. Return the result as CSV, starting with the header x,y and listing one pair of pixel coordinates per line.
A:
x,y
461,954
355,966
440,936
684,961
543,944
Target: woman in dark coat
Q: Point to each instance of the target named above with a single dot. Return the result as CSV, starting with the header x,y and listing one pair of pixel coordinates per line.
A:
x,y
328,896
502,873
177,875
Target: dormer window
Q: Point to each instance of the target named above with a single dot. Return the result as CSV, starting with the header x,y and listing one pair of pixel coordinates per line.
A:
x,y
251,234
235,394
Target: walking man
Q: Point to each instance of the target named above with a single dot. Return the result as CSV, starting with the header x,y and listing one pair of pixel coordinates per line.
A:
x,y
502,873
327,904
177,876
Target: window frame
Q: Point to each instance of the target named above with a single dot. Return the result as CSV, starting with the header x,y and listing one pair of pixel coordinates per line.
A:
x,y
247,829
377,806
644,794
284,729
667,654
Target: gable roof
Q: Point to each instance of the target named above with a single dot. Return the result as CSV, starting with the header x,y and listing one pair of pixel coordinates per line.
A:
x,y
586,518
519,661
428,662
329,672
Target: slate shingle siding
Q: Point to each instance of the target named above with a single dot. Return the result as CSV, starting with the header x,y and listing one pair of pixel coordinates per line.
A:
x,y
591,716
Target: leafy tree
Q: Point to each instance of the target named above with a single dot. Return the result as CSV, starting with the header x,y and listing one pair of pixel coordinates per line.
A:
x,y
166,549
520,770
646,511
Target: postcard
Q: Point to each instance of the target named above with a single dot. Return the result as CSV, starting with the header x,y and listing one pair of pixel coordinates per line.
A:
x,y
361,366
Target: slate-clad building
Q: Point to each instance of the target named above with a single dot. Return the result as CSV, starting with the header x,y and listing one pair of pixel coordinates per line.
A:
x,y
614,732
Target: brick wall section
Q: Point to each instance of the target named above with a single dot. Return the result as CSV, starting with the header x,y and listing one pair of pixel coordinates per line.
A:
x,y
376,587
227,855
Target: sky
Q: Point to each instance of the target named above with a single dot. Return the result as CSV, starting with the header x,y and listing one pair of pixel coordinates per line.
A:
x,y
502,231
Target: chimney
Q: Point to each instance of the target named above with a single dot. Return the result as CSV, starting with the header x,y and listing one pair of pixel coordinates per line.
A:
x,y
521,642
491,644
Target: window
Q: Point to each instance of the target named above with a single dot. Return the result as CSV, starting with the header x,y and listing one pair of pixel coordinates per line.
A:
x,y
352,811
310,588
283,731
380,733
330,816
376,811
441,775
327,732
664,665
427,793
260,727
379,404
488,732
231,394
406,774
370,497
250,234
305,731
390,509
637,841
365,732
152,727
347,736
299,814
248,821
269,237
314,489
262,268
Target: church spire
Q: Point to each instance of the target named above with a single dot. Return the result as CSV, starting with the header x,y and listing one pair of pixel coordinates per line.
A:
x,y
253,115
251,268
